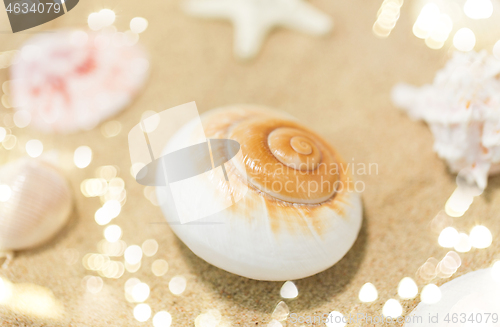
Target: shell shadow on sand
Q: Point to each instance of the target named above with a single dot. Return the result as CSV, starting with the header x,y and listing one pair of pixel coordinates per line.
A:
x,y
263,295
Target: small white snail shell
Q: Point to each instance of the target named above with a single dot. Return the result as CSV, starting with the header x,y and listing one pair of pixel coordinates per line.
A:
x,y
37,205
270,234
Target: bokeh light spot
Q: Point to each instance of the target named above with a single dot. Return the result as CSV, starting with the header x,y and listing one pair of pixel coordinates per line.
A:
x,y
392,308
162,319
159,267
112,233
464,39
133,254
448,237
177,285
138,24
34,148
368,293
480,237
142,312
407,288
289,290
82,156
430,294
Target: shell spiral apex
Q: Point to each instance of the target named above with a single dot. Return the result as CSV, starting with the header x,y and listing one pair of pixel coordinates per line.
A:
x,y
35,204
299,214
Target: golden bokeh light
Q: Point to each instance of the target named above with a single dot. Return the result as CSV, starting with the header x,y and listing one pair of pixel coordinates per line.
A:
x,y
407,288
21,118
34,148
30,300
107,172
82,156
149,247
140,292
101,19
430,294
289,290
71,256
368,293
480,237
9,142
177,285
112,249
392,308
159,267
111,128
428,270
478,9
448,265
129,286
162,319
281,311
211,318
463,244
8,58
133,254
6,101
94,284
448,237
138,24
112,269
116,186
109,211
5,290
121,197
464,39
387,17
149,121
433,26
93,187
112,233
95,261
142,312
132,268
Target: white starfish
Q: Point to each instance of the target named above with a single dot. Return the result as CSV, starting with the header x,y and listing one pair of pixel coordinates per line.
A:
x,y
253,19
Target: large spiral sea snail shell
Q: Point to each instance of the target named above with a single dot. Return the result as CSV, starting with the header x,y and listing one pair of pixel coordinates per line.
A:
x,y
299,215
35,203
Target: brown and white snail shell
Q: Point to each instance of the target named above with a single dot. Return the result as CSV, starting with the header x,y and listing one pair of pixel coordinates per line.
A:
x,y
299,216
35,204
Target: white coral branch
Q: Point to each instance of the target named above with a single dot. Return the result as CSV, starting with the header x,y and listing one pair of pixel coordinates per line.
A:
x,y
462,109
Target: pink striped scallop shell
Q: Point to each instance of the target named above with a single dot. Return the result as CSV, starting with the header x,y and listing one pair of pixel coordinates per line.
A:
x,y
72,80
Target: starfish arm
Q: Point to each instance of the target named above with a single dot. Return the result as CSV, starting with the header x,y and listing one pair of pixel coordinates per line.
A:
x,y
305,18
253,19
249,36
209,8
